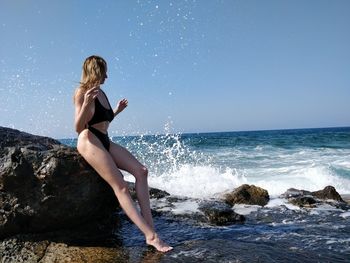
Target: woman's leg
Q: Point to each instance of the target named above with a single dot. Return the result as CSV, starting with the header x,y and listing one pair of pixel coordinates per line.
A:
x,y
126,161
90,147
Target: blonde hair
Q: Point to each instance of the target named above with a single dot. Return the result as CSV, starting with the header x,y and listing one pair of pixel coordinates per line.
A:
x,y
94,69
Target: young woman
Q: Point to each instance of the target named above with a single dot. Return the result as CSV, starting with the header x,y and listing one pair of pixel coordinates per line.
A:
x,y
93,113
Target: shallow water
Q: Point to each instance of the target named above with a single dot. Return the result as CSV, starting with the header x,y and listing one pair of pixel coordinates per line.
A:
x,y
269,234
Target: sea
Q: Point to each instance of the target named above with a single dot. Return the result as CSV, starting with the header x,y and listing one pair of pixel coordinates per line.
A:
x,y
202,166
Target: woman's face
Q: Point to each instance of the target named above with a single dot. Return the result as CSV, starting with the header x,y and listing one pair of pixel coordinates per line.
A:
x,y
103,78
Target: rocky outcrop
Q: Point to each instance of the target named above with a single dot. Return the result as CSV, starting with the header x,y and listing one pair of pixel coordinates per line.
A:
x,y
45,186
247,194
303,198
292,192
328,192
154,193
27,248
303,201
219,213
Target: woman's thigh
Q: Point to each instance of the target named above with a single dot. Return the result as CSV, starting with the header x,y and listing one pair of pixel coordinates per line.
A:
x,y
124,159
91,148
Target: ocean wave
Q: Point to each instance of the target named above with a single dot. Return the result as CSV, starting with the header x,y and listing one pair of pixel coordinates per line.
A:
x,y
208,182
205,165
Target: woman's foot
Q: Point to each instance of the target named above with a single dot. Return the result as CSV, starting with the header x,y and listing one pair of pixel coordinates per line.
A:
x,y
158,244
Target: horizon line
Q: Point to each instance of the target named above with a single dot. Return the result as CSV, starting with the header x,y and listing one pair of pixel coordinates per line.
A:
x,y
232,131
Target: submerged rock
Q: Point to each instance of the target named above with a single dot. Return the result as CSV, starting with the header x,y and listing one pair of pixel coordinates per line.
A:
x,y
292,192
247,194
303,201
219,213
45,186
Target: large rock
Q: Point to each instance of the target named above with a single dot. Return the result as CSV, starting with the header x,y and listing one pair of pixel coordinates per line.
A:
x,y
328,192
30,248
45,186
303,198
247,194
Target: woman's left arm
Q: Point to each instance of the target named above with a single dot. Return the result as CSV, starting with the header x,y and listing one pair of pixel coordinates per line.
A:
x,y
122,104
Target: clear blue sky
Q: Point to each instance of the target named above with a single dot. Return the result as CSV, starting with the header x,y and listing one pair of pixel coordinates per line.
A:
x,y
193,66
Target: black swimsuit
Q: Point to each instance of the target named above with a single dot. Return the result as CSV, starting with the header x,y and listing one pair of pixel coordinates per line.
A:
x,y
101,114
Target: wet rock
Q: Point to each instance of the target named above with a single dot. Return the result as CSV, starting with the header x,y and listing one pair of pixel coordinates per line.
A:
x,y
25,249
157,193
247,194
328,192
45,186
220,213
303,198
303,201
153,192
292,193
196,211
176,199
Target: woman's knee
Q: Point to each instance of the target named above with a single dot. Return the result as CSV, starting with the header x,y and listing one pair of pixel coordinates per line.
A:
x,y
120,188
141,173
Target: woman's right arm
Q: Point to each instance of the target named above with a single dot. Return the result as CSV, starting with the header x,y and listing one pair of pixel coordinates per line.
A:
x,y
82,108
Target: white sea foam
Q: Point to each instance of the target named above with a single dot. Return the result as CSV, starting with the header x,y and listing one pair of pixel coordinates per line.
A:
x,y
198,181
276,202
345,214
245,209
185,207
208,181
181,170
306,178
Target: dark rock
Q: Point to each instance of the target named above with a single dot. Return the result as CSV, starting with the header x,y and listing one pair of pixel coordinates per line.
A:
x,y
292,192
303,201
247,194
45,186
157,193
14,138
176,199
25,248
213,212
328,192
219,213
153,192
304,198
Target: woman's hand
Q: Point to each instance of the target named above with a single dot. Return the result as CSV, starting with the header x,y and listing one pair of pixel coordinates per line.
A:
x,y
91,94
122,104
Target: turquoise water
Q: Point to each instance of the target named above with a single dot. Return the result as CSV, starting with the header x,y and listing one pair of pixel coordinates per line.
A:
x,y
201,166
